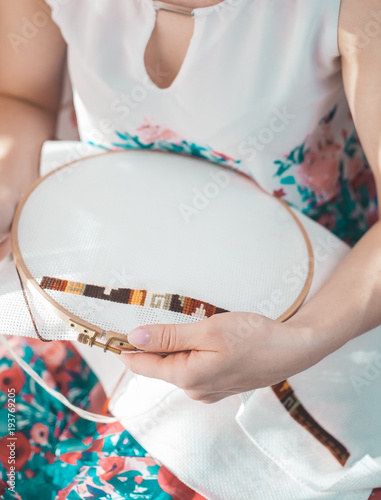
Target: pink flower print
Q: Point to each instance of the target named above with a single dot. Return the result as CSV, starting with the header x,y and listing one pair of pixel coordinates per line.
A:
x,y
49,380
52,353
328,221
98,398
82,488
223,156
148,133
12,378
74,363
279,193
365,178
96,446
40,434
50,457
354,167
28,398
71,457
108,429
111,466
320,170
372,217
29,473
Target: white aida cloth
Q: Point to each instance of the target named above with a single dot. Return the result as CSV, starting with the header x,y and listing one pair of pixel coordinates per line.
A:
x,y
164,223
247,446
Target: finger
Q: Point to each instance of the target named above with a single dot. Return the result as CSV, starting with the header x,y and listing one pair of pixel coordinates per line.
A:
x,y
172,368
170,338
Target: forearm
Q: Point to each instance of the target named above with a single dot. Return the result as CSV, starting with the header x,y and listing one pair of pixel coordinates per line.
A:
x,y
23,129
349,304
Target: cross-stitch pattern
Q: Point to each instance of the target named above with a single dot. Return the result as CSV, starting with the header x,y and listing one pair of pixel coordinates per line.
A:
x,y
202,310
287,397
171,302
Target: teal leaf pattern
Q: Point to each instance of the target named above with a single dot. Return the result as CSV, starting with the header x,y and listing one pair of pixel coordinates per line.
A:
x,y
160,137
334,182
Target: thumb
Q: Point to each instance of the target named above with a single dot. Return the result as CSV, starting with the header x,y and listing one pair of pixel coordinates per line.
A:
x,y
165,338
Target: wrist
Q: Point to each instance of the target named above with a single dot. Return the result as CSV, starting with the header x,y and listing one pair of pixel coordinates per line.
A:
x,y
317,336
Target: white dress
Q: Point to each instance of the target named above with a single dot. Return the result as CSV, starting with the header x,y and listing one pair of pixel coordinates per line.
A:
x,y
260,89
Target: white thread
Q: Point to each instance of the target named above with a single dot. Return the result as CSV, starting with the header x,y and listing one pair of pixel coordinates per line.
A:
x,y
93,417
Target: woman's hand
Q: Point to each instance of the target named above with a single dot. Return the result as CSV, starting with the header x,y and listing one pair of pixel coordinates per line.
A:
x,y
224,355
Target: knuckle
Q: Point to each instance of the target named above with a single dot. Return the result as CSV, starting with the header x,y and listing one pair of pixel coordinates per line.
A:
x,y
195,395
168,338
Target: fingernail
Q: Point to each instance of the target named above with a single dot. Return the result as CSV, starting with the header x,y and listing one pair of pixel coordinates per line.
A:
x,y
139,336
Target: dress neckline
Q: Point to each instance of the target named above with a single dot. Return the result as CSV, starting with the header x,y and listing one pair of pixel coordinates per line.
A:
x,y
205,11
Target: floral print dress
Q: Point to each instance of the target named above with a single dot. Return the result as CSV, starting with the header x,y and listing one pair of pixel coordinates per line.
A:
x,y
60,456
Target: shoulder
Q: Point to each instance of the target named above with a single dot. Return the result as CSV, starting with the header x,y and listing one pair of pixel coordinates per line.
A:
x,y
359,30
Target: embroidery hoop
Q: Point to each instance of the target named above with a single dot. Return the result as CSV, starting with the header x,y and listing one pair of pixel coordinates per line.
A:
x,y
297,411
93,335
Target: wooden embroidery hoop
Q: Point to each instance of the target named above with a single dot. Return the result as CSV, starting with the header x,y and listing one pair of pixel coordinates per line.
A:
x,y
116,342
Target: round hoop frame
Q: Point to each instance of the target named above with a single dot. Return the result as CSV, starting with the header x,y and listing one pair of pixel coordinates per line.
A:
x,y
116,342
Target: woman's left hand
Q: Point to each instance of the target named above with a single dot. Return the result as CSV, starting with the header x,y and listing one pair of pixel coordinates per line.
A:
x,y
224,355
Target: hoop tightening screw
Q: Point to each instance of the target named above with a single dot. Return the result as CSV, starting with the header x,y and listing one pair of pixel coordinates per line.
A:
x,y
90,341
85,338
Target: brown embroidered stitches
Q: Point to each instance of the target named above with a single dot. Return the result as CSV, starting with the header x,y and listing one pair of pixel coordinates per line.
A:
x,y
170,302
291,403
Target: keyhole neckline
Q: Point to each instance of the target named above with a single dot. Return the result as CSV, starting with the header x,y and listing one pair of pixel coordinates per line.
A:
x,y
176,80
198,12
